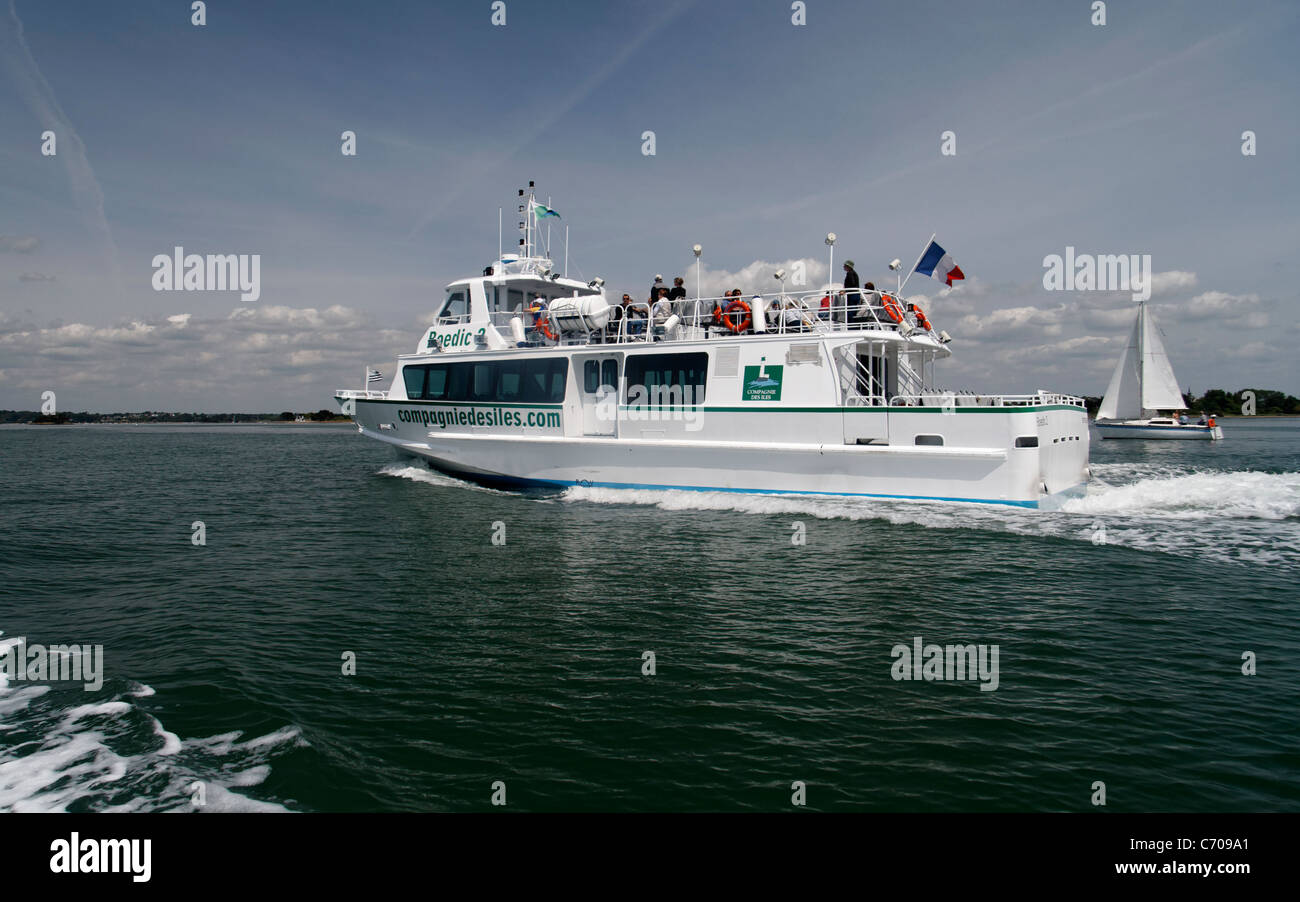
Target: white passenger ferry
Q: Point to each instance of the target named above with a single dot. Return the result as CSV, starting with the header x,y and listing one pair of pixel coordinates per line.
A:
x,y
529,378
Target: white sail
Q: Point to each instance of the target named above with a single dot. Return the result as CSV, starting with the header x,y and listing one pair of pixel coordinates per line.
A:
x,y
1123,400
1159,385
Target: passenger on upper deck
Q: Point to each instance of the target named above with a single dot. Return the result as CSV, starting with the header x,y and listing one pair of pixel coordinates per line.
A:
x,y
793,313
720,306
851,297
617,313
662,308
634,315
870,302
660,312
654,289
678,291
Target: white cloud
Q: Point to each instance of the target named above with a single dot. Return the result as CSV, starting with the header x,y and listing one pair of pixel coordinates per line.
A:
x,y
1218,304
756,278
1173,280
270,357
19,244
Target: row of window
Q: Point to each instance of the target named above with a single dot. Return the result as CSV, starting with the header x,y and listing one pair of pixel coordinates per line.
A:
x,y
541,380
457,305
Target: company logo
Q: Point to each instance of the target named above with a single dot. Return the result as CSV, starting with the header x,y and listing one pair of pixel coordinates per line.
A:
x,y
762,382
442,417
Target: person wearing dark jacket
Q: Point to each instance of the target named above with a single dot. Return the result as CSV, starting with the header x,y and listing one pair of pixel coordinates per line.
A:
x,y
851,297
678,291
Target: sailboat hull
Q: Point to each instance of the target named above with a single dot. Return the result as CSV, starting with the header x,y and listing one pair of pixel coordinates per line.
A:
x,y
1145,430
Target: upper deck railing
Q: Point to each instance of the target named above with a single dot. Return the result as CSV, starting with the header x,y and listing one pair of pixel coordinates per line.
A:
x,y
814,311
938,398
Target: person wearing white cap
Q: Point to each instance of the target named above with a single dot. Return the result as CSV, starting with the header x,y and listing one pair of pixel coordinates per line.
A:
x,y
654,289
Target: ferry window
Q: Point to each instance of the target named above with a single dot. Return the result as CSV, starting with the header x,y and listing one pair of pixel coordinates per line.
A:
x,y
436,386
1026,441
483,382
457,388
515,300
682,376
544,380
457,305
591,376
929,440
414,377
510,381
609,373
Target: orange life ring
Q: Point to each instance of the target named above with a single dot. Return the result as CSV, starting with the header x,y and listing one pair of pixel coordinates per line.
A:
x,y
920,317
891,307
731,324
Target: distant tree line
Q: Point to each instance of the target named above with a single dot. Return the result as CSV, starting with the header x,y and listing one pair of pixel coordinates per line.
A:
x,y
1217,401
157,416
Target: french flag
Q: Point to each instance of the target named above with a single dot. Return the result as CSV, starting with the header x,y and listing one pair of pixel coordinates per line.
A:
x,y
938,263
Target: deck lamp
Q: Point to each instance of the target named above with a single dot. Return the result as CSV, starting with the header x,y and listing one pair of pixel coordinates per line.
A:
x,y
830,272
697,250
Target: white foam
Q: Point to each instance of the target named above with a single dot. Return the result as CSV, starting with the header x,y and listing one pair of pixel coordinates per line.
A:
x,y
1241,517
421,473
76,761
171,742
1246,494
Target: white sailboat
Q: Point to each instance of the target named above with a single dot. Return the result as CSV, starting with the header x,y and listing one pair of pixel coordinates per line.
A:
x,y
1142,387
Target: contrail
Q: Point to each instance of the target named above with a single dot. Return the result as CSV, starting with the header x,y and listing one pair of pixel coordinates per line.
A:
x,y
36,92
557,112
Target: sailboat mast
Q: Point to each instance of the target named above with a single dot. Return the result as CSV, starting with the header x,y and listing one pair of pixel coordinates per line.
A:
x,y
1142,352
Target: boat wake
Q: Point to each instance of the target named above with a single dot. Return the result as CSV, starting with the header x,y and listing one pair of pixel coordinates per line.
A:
x,y
1125,489
1224,517
58,753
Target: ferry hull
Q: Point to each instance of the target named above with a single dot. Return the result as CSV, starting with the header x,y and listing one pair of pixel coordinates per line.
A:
x,y
1040,477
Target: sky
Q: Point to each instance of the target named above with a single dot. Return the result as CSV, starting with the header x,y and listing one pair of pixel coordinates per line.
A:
x,y
225,138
